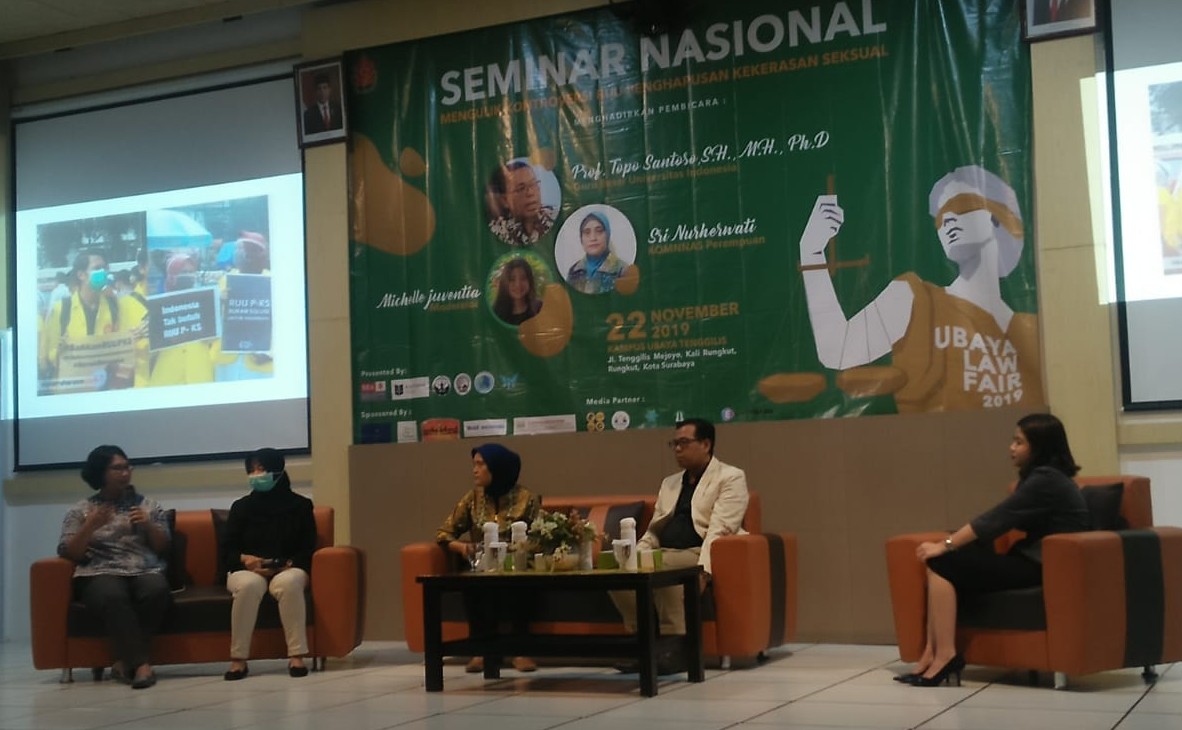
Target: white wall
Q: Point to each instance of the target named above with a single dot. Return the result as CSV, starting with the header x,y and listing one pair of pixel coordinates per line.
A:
x,y
6,452
30,532
5,547
1163,465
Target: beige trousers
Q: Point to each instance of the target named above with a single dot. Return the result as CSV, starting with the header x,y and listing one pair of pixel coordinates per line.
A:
x,y
668,601
288,589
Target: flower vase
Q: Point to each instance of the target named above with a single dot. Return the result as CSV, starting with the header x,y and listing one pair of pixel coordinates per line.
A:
x,y
587,555
564,560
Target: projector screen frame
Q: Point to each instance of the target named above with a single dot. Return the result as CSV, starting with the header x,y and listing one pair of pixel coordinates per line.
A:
x,y
1128,403
96,105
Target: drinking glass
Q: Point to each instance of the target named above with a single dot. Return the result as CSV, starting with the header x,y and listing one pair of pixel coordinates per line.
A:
x,y
475,555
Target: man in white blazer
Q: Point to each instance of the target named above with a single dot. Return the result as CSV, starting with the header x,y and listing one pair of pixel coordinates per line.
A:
x,y
704,501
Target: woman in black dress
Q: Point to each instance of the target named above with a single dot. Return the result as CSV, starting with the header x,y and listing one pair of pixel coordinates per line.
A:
x,y
1046,502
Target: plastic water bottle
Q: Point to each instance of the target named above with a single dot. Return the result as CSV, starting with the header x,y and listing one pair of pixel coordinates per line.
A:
x,y
518,541
628,532
491,534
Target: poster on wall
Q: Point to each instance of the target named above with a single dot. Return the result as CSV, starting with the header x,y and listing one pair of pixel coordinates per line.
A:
x,y
744,211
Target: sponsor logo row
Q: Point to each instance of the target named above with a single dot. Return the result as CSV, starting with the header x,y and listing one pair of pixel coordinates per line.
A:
x,y
442,429
425,387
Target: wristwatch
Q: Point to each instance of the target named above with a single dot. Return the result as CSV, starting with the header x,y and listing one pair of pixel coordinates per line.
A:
x,y
948,544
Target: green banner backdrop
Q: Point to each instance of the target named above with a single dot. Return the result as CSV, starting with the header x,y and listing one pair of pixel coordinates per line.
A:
x,y
743,211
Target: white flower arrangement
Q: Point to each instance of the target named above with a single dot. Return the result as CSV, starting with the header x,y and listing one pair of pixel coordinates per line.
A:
x,y
558,533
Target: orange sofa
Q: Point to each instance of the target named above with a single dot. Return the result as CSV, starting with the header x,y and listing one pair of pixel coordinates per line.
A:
x,y
750,607
197,628
1109,599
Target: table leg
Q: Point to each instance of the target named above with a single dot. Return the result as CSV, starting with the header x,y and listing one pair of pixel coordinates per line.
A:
x,y
692,603
646,637
433,638
492,666
484,625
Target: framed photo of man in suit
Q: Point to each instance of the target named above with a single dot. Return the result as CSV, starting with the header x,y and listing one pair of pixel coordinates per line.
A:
x,y
1057,18
320,103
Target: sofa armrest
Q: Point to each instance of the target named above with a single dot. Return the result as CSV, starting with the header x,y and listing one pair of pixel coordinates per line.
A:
x,y
755,590
420,558
909,591
338,599
50,592
1112,598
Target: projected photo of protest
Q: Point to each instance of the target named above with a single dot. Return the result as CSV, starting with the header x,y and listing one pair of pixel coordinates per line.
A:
x,y
174,296
1165,101
209,298
88,335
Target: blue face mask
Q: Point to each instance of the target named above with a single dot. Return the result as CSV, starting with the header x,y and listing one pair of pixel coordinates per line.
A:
x,y
262,482
99,279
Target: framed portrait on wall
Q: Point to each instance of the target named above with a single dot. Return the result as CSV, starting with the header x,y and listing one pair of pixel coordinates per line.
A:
x,y
1057,18
320,103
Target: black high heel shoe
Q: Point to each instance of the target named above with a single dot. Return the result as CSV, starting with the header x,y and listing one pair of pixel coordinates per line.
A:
x,y
953,667
909,677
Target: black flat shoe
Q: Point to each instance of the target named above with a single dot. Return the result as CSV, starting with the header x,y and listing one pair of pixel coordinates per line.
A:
x,y
297,671
952,668
234,675
118,675
144,682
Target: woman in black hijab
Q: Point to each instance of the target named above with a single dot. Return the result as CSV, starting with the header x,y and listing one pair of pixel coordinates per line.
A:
x,y
268,545
495,497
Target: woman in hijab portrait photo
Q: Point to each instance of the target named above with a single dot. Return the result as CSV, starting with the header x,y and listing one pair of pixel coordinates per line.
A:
x,y
597,271
517,293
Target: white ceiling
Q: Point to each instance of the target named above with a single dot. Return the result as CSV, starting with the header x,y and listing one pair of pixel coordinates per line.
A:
x,y
37,26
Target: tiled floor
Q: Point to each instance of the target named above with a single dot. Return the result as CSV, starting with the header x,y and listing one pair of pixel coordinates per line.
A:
x,y
381,686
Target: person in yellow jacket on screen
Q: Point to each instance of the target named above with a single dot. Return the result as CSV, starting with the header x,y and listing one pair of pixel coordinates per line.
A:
x,y
1173,230
191,362
1169,204
90,310
251,256
133,312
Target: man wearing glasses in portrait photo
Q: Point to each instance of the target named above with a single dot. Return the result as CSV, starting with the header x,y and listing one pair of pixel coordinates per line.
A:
x,y
519,213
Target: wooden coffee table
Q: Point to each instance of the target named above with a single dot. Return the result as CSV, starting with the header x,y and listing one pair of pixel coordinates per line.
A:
x,y
494,639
